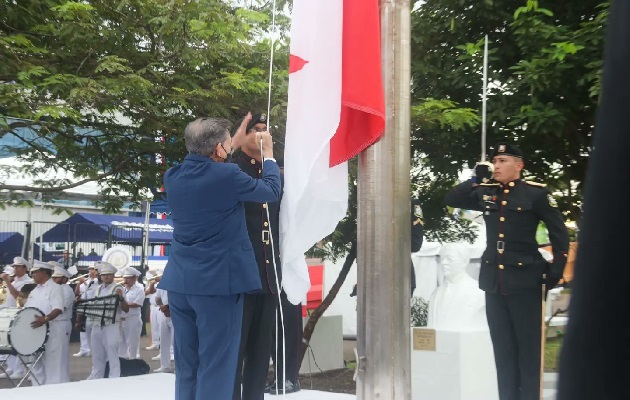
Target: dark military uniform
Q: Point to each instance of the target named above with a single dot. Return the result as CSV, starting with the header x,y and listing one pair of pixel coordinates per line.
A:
x,y
293,332
512,271
258,308
417,236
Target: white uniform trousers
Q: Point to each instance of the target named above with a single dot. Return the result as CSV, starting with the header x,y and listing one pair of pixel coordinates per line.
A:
x,y
166,338
130,337
15,366
49,369
155,325
86,337
105,342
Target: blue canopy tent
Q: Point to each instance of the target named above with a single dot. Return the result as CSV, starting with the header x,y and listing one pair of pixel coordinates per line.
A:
x,y
85,227
11,246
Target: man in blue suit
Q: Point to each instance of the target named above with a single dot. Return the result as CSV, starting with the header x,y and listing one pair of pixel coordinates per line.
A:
x,y
212,263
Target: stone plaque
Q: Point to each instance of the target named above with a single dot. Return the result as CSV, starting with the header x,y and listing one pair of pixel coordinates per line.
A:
x,y
424,339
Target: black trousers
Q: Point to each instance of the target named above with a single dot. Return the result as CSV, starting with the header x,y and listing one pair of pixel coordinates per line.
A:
x,y
259,312
293,330
515,322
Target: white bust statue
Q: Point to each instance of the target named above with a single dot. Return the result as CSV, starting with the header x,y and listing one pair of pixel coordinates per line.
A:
x,y
458,304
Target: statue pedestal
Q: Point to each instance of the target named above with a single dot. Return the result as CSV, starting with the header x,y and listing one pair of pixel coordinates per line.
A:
x,y
460,368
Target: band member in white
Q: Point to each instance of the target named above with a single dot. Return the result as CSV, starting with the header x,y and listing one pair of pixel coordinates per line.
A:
x,y
86,290
48,298
20,268
62,373
155,310
105,333
166,331
131,320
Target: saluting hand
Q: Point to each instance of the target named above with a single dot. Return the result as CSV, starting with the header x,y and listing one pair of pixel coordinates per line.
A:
x,y
239,136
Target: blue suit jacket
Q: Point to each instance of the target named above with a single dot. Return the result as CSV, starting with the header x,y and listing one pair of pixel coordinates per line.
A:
x,y
211,253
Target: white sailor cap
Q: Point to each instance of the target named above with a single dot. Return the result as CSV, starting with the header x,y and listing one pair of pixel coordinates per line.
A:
x,y
37,265
21,261
9,270
60,272
128,272
55,264
105,268
92,266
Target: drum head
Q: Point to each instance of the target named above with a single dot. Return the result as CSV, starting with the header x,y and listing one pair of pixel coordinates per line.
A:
x,y
118,256
22,337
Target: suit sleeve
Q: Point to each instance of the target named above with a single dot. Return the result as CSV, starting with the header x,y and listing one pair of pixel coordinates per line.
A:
x,y
463,196
266,189
548,212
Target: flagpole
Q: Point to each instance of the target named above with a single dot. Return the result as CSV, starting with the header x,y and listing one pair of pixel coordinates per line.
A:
x,y
383,308
484,99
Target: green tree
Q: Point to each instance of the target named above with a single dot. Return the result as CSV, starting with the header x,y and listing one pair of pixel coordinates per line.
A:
x,y
99,88
544,70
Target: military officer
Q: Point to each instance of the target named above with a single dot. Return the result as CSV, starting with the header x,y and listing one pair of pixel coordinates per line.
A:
x,y
513,269
259,309
417,237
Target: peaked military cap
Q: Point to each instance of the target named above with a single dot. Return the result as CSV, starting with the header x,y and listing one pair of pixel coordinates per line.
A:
x,y
506,149
258,118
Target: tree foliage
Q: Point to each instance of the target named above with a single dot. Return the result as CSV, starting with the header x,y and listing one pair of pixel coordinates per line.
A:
x,y
99,88
544,82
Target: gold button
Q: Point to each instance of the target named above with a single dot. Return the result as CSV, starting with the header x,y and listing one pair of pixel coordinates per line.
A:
x,y
252,161
518,208
487,206
502,219
511,184
520,263
503,202
501,266
501,235
266,223
264,205
267,261
506,191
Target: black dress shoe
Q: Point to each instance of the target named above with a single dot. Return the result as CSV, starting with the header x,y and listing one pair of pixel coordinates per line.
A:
x,y
270,385
289,386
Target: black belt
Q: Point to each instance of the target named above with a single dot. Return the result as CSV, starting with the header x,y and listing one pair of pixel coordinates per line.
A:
x,y
508,246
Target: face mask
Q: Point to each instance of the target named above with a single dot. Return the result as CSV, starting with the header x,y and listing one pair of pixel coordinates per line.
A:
x,y
229,155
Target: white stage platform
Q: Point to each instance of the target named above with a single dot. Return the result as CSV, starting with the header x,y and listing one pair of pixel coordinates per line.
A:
x,y
150,386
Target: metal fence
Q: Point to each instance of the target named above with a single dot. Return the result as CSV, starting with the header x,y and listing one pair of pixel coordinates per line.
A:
x,y
79,244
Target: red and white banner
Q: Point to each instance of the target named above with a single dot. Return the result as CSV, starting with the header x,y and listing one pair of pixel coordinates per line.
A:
x,y
335,110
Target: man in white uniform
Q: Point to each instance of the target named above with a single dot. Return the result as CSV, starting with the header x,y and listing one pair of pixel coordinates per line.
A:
x,y
166,332
132,319
48,298
60,276
20,268
155,310
105,332
86,290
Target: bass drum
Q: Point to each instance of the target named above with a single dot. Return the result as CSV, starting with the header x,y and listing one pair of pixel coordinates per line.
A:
x,y
16,333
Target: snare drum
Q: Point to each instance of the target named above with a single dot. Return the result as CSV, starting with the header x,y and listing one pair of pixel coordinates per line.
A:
x,y
16,333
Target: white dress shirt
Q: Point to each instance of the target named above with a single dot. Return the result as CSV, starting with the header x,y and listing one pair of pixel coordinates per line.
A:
x,y
46,297
18,283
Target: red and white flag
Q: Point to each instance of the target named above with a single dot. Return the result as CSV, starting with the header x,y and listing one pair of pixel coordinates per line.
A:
x,y
336,109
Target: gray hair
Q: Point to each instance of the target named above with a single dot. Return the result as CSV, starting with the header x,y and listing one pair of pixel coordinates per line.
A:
x,y
204,134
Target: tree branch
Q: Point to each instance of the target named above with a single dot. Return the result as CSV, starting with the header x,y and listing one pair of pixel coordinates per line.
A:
x,y
61,187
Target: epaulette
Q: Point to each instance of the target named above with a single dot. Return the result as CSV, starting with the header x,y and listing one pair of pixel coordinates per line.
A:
x,y
542,185
490,184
